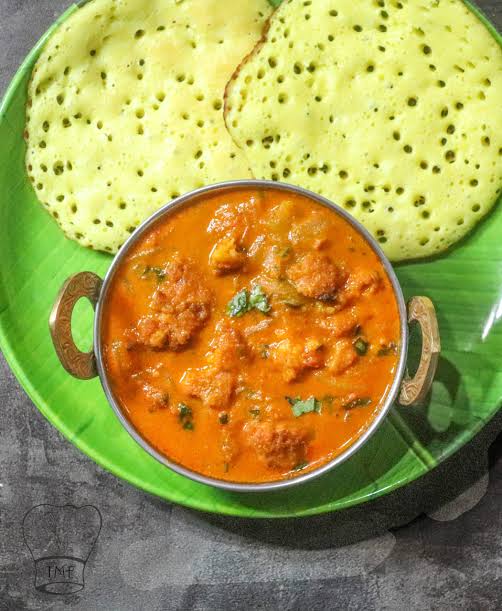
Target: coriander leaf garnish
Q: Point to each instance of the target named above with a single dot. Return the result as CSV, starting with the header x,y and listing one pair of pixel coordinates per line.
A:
x,y
244,301
223,418
185,416
299,407
300,466
357,402
153,271
360,346
258,299
238,305
255,412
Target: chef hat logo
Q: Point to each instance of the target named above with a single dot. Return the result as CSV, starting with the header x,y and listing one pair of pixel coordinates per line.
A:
x,y
60,539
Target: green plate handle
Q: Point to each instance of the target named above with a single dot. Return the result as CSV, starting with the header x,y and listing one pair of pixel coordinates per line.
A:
x,y
81,365
414,390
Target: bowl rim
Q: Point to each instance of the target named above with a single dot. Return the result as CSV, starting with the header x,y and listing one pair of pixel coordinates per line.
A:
x,y
190,198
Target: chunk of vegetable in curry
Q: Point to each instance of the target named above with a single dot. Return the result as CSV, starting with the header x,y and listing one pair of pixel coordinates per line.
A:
x,y
252,336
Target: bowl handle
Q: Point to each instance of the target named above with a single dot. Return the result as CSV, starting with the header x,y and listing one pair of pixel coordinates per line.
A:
x,y
414,390
81,365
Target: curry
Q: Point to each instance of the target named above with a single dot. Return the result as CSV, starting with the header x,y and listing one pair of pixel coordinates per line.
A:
x,y
251,336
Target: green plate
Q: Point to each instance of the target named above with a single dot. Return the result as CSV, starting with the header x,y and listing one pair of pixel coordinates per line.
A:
x,y
466,286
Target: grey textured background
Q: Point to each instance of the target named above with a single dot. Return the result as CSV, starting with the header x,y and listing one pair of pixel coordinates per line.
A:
x,y
153,555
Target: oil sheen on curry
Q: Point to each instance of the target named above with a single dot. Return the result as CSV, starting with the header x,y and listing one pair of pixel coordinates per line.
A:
x,y
251,336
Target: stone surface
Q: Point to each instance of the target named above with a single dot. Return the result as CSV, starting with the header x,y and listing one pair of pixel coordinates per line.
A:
x,y
154,556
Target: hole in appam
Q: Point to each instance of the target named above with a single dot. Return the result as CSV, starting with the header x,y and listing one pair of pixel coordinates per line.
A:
x,y
436,169
140,130
58,168
476,208
450,156
139,34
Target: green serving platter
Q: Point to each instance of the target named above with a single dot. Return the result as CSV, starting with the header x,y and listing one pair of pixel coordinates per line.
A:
x,y
465,285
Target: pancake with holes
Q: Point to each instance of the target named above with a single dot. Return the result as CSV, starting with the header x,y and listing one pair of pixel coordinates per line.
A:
x,y
392,109
125,110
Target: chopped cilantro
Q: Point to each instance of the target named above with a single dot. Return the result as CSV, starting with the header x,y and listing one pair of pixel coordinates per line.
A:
x,y
299,407
360,346
185,416
300,466
357,402
244,301
184,410
255,412
223,418
238,305
152,271
258,300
